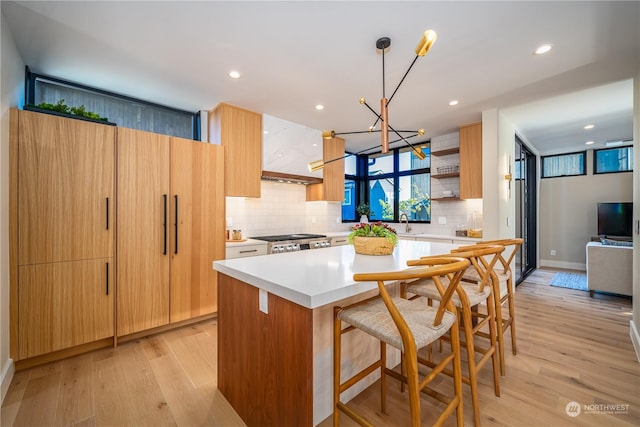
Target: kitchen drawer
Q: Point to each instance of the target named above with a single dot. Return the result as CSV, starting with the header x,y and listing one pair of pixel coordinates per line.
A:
x,y
339,241
246,250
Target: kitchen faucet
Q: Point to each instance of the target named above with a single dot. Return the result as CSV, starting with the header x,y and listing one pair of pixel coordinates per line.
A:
x,y
408,227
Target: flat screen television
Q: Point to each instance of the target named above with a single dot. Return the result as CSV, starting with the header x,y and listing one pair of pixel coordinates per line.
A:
x,y
615,219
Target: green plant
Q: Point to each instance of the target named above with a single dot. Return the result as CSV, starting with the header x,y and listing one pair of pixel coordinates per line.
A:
x,y
410,206
363,209
80,111
375,229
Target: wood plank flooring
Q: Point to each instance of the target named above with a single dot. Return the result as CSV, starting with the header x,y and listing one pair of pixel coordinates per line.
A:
x,y
571,348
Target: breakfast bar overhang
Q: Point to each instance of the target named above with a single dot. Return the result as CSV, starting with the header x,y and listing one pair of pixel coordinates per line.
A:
x,y
275,328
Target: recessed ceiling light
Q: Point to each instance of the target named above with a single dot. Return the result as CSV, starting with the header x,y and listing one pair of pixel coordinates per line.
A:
x,y
266,132
589,127
319,107
234,74
543,49
315,144
588,143
454,102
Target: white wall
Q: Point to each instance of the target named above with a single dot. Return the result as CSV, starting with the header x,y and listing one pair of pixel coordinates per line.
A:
x,y
12,93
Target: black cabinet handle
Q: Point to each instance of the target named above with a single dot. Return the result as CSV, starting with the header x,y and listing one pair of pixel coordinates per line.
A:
x,y
249,251
176,248
164,223
107,213
107,281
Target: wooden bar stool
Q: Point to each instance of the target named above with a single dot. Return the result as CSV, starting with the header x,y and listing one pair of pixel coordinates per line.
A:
x,y
408,326
506,292
468,296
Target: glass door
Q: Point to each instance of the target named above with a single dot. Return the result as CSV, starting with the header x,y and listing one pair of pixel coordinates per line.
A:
x,y
525,195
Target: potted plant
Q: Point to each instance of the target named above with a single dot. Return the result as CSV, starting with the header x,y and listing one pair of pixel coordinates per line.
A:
x,y
364,211
62,109
373,238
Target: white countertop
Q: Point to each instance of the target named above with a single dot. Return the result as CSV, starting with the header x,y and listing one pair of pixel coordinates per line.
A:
x,y
317,277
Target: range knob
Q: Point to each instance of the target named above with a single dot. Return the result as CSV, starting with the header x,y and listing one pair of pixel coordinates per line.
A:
x,y
316,245
289,248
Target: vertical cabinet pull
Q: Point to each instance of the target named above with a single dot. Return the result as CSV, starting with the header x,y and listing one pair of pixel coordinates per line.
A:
x,y
176,248
107,213
164,223
107,277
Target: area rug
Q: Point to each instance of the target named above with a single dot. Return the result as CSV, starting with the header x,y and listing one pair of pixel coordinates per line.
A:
x,y
570,280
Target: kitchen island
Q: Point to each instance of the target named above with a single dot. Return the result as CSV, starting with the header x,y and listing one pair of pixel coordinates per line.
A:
x,y
275,328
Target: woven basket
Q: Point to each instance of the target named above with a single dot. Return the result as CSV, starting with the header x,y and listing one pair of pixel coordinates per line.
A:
x,y
372,245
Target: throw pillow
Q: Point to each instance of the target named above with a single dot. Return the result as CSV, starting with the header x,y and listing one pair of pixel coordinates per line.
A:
x,y
612,242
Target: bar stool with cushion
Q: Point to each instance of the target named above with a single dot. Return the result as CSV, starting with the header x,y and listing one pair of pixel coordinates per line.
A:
x,y
468,297
505,279
408,326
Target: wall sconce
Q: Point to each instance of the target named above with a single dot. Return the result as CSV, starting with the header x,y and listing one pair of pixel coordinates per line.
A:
x,y
508,177
428,39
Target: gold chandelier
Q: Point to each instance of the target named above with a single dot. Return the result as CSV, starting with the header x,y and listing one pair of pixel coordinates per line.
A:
x,y
428,39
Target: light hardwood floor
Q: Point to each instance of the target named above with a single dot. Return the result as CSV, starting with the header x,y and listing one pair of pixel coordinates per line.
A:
x,y
571,348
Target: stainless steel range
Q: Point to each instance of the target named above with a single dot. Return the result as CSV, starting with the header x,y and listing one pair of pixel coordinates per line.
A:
x,y
294,242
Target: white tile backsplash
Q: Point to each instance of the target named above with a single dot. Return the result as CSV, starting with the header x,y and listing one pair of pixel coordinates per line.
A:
x,y
283,209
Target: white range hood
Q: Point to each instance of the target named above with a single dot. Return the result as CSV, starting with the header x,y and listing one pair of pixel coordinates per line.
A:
x,y
288,147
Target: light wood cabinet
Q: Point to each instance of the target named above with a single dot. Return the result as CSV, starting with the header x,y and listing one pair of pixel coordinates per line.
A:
x,y
240,132
198,222
65,304
62,216
171,213
471,161
332,186
66,187
143,231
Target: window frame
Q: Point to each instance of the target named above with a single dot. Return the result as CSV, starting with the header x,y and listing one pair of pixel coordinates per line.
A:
x,y
30,86
595,159
362,179
584,164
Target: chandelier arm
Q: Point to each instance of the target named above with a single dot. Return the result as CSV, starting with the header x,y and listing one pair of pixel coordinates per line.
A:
x,y
374,131
397,87
402,80
405,140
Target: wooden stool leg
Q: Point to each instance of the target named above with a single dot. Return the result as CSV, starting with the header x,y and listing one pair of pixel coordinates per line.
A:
x,y
457,373
337,338
512,317
471,363
383,377
499,322
493,326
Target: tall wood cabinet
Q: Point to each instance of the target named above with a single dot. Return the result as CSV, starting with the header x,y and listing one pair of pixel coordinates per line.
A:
x,y
471,161
143,233
198,220
332,186
62,232
171,219
240,132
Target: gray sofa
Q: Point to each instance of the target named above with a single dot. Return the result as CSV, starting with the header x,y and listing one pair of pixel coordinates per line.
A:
x,y
609,268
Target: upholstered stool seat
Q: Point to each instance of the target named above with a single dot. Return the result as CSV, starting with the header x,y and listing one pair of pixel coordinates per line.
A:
x,y
373,318
428,289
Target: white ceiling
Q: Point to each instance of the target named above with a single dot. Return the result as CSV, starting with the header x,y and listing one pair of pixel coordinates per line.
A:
x,y
294,55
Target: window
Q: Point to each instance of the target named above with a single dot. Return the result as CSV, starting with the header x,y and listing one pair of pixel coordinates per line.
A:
x,y
392,184
119,109
564,165
611,160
